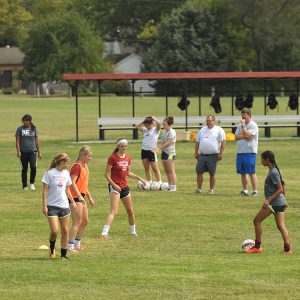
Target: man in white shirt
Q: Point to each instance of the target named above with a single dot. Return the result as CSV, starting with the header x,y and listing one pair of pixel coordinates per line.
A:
x,y
246,136
209,148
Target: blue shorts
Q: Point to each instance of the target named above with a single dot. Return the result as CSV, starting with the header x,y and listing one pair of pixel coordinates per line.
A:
x,y
245,163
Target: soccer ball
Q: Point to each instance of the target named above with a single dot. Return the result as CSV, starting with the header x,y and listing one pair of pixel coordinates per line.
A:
x,y
154,186
247,244
164,186
143,186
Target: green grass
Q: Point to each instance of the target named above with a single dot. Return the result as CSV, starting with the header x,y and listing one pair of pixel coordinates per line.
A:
x,y
188,245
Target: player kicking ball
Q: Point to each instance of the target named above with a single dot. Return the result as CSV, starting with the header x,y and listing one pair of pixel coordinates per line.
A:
x,y
275,203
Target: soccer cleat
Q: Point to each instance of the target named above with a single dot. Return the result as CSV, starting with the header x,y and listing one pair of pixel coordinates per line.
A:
x,y
74,250
254,250
25,189
242,193
64,257
104,237
79,249
210,192
254,194
134,235
198,191
32,187
52,255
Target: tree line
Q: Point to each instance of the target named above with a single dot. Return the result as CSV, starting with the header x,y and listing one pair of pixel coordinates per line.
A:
x,y
67,36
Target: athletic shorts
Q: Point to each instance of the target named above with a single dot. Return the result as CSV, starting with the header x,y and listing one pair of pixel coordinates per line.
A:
x,y
77,199
245,163
207,163
148,154
166,156
277,209
54,211
123,194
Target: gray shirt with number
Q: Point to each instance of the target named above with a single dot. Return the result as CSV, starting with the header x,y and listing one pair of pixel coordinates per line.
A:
x,y
27,138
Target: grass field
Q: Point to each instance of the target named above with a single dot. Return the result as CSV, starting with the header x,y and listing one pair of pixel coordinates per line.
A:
x,y
188,245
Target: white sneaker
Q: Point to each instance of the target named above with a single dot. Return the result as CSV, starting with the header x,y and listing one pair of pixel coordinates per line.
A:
x,y
210,192
32,187
25,189
198,191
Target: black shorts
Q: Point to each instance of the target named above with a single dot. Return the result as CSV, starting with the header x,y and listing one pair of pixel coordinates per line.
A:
x,y
166,156
54,211
277,209
123,194
148,154
77,199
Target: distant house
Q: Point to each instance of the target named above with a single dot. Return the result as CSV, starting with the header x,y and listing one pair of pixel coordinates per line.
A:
x,y
11,63
127,61
133,64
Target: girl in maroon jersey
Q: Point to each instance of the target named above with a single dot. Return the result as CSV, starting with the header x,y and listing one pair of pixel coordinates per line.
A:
x,y
117,170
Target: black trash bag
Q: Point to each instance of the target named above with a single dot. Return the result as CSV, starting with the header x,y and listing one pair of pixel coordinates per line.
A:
x,y
248,101
215,104
239,102
293,102
272,102
183,102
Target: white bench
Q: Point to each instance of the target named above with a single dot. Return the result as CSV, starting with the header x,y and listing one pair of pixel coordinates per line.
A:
x,y
195,122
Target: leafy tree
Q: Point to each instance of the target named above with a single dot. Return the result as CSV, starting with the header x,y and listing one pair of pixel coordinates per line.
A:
x,y
272,32
123,19
61,43
13,22
191,39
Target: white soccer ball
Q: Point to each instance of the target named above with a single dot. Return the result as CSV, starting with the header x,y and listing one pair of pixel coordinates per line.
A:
x,y
154,186
247,244
143,186
164,186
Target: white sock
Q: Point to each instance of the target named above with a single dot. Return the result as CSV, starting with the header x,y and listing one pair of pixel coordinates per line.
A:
x,y
70,245
77,244
246,191
105,230
132,229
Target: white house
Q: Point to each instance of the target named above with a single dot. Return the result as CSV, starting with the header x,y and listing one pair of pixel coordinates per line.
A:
x,y
133,64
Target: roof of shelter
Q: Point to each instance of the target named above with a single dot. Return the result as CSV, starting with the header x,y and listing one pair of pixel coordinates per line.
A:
x,y
183,75
11,56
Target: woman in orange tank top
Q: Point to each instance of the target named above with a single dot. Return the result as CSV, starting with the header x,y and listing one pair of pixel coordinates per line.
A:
x,y
80,176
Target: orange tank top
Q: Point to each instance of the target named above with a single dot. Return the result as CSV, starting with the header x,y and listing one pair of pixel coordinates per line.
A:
x,y
82,181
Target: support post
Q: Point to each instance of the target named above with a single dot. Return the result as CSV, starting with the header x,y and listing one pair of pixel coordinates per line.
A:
x,y
267,129
76,109
101,131
135,133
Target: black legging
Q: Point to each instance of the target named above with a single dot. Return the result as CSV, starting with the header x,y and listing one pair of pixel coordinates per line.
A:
x,y
31,159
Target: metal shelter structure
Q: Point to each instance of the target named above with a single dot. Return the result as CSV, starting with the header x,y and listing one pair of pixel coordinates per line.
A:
x,y
75,78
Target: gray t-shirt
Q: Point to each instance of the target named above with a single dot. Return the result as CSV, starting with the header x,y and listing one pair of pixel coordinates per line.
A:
x,y
169,135
245,146
271,181
27,138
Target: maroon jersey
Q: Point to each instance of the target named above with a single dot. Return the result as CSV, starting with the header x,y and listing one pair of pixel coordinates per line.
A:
x,y
120,169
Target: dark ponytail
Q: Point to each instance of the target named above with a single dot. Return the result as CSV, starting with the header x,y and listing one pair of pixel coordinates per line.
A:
x,y
271,157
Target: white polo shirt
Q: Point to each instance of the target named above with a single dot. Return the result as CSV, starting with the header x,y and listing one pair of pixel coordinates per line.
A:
x,y
210,139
